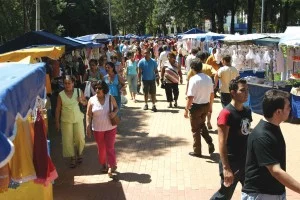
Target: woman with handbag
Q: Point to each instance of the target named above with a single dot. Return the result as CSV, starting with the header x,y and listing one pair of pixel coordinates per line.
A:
x,y
171,75
131,74
69,119
116,83
102,109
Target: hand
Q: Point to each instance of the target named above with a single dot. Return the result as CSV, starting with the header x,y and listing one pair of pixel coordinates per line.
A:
x,y
228,177
112,115
88,132
57,126
186,112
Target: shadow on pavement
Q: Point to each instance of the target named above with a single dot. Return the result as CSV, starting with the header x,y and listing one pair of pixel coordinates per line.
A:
x,y
111,190
214,158
133,177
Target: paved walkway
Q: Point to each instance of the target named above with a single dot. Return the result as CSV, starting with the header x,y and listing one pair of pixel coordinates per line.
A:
x,y
153,161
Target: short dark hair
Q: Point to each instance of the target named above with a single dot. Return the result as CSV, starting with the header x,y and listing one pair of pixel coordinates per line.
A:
x,y
196,64
227,58
201,55
129,54
234,83
103,85
273,100
194,50
93,61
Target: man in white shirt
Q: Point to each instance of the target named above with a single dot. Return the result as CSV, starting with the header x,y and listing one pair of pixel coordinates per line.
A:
x,y
189,58
226,74
163,57
200,96
110,52
125,49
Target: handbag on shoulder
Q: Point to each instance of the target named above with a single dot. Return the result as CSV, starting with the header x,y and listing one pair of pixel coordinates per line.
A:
x,y
82,107
116,120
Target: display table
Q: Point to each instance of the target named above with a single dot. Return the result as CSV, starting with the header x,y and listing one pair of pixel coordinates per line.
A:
x,y
256,95
251,72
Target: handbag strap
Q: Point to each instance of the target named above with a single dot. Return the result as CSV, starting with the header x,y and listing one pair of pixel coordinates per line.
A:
x,y
109,103
77,92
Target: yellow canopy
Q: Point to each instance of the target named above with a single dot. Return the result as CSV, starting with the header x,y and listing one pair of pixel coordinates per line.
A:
x,y
53,52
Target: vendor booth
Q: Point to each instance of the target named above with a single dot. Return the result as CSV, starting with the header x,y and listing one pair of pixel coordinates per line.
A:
x,y
26,169
290,45
258,59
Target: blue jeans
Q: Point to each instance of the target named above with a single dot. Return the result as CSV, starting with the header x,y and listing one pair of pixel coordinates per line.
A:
x,y
258,196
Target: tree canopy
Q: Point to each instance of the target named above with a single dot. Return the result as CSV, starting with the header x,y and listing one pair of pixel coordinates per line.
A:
x,y
76,17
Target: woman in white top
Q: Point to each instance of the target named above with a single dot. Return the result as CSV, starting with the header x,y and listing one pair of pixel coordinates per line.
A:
x,y
98,121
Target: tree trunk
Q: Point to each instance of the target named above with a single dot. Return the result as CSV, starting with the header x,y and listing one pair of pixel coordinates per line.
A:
x,y
220,23
213,21
251,6
285,15
232,31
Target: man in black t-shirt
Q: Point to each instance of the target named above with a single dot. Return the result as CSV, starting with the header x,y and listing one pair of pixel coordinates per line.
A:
x,y
265,176
233,129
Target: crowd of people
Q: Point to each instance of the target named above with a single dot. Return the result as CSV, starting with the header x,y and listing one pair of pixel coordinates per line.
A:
x,y
256,160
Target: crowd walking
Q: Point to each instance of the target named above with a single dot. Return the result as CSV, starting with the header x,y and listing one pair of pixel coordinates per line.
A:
x,y
251,157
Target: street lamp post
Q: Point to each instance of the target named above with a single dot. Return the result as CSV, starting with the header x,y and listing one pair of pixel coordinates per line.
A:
x,y
109,13
38,16
262,16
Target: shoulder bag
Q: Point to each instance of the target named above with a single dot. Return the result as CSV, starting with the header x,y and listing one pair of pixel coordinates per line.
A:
x,y
116,120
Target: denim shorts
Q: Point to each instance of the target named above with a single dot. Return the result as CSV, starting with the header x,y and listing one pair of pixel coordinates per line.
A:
x,y
258,196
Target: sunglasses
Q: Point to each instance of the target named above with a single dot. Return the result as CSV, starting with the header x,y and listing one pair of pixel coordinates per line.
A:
x,y
98,88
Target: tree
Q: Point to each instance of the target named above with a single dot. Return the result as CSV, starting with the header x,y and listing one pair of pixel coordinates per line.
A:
x,y
251,6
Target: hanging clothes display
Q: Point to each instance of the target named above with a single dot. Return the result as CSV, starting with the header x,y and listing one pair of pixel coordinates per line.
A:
x,y
44,168
21,164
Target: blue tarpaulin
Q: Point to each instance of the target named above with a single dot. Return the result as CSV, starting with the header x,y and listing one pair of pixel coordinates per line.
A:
x,y
194,31
20,84
39,38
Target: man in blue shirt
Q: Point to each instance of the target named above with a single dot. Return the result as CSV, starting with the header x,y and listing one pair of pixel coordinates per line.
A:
x,y
148,73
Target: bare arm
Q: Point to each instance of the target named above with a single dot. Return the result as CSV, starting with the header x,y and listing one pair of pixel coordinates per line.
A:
x,y
211,101
223,131
162,73
89,115
57,112
283,177
189,102
216,80
82,99
139,74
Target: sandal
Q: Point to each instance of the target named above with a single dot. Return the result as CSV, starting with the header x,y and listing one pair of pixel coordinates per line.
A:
x,y
79,160
72,163
104,168
209,126
111,170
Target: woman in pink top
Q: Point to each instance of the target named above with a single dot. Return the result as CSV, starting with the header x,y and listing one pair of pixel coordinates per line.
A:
x,y
98,122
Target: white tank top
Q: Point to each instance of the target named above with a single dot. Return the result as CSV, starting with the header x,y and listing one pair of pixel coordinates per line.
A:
x,y
101,120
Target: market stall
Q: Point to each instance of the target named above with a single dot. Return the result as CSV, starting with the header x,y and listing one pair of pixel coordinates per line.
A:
x,y
258,59
290,45
27,169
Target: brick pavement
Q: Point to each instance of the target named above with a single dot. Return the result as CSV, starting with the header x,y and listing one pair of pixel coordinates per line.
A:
x,y
153,161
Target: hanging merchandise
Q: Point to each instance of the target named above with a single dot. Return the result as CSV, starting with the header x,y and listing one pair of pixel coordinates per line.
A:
x,y
4,178
267,58
21,164
44,168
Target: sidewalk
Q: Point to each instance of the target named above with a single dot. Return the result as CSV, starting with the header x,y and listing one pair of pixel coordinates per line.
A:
x,y
153,161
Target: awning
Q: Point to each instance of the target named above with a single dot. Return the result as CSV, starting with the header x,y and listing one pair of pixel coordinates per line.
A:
x,y
20,84
53,52
41,38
